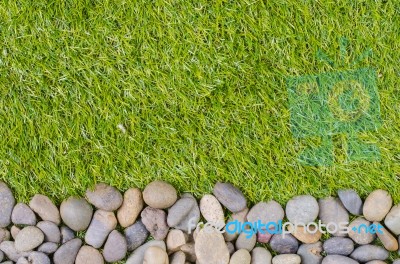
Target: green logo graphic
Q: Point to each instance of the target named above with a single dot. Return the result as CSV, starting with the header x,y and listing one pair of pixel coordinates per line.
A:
x,y
332,103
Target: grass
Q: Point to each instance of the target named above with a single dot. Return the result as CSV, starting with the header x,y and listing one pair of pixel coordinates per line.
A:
x,y
125,92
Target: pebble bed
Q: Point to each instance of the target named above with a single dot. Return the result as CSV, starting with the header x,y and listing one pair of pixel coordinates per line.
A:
x,y
158,227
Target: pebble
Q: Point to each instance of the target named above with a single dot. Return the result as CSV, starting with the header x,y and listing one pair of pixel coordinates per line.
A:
x,y
14,231
351,201
369,252
102,224
155,255
131,207
177,258
155,221
241,256
301,233
284,244
246,241
48,248
190,252
260,255
387,239
392,220
377,205
231,247
104,197
264,237
8,248
376,262
396,261
67,253
45,208
115,248
175,239
22,260
4,235
159,195
338,259
28,238
286,259
331,210
359,234
7,202
66,234
23,215
310,253
230,197
339,246
136,235
76,213
184,214
38,258
212,210
50,230
302,209
266,212
137,256
240,217
89,255
210,248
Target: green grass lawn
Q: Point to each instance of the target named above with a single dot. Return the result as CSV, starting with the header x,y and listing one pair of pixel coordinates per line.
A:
x,y
192,92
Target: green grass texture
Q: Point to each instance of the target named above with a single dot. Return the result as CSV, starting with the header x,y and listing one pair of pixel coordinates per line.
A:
x,y
191,92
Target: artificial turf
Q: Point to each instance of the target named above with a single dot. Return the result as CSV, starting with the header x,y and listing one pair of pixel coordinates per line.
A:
x,y
191,92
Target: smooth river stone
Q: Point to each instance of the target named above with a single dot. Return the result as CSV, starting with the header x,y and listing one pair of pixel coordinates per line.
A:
x,y
115,248
387,239
159,195
38,258
76,213
230,197
351,201
241,256
177,258
184,214
102,224
392,220
358,233
239,217
212,210
284,244
50,230
261,255
155,255
7,202
246,241
338,259
332,211
175,239
286,259
104,197
8,248
137,256
369,252
302,209
339,246
23,215
45,208
155,221
28,238
67,253
130,208
210,248
136,235
266,212
310,253
89,255
303,235
377,205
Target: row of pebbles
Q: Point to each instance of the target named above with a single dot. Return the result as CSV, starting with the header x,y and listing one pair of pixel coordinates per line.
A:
x,y
42,233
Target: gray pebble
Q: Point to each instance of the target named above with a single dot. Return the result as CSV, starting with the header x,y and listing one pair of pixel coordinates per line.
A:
x,y
286,259
244,241
76,213
260,255
184,214
115,248
66,234
369,252
48,248
266,212
28,238
302,209
66,254
310,253
38,258
338,259
7,202
105,197
50,230
22,214
8,248
138,255
339,246
155,221
136,235
230,197
351,201
331,210
102,224
284,244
